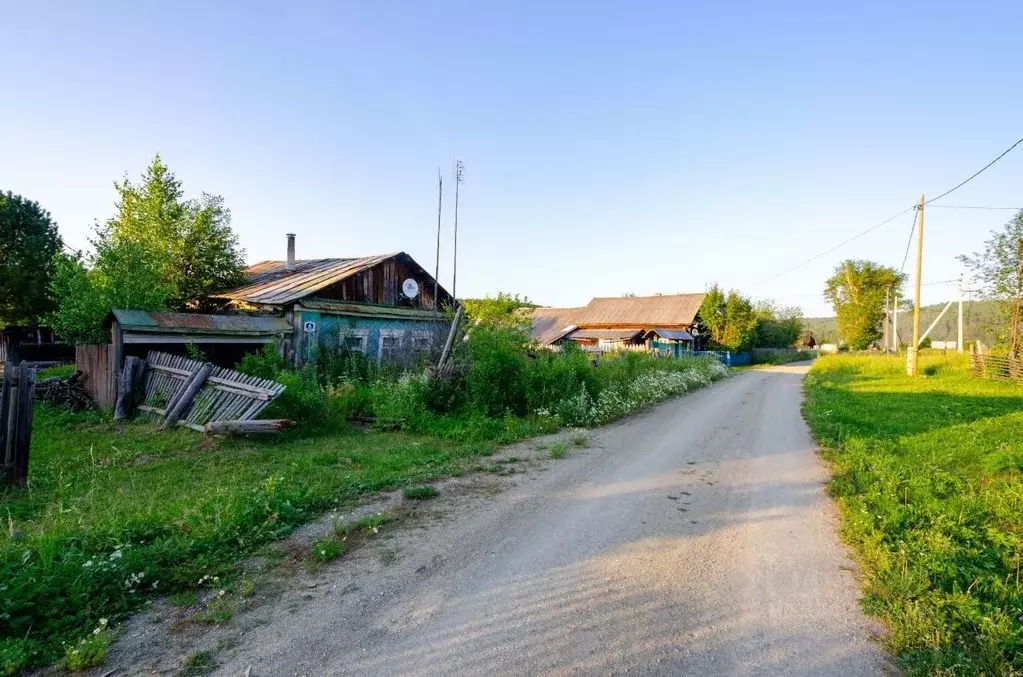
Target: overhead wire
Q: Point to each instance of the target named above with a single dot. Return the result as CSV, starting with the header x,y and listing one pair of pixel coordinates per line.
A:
x,y
909,243
975,174
839,245
974,207
892,218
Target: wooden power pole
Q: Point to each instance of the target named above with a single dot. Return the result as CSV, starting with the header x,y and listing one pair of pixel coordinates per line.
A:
x,y
913,367
959,324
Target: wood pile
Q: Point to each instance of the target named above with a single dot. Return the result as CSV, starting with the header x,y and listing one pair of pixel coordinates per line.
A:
x,y
64,391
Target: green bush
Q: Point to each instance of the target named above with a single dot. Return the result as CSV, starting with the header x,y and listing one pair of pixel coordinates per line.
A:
x,y
267,363
497,364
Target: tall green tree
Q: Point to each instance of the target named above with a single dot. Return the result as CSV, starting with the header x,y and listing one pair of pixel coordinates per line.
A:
x,y
857,292
999,269
199,251
159,252
730,318
29,242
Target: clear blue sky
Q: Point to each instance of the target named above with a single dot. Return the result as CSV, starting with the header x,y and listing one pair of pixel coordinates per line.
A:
x,y
610,147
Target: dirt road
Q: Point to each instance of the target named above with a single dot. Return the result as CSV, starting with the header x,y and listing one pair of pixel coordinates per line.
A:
x,y
694,539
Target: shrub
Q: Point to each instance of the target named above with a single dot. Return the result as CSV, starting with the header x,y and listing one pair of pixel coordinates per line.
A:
x,y
302,400
497,363
445,394
267,363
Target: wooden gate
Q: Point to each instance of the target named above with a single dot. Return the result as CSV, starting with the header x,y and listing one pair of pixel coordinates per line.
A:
x,y
17,396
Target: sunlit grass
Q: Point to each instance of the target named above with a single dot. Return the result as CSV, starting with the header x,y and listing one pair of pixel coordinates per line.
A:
x,y
927,473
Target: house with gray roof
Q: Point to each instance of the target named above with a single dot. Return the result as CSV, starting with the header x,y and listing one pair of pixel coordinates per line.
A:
x,y
610,322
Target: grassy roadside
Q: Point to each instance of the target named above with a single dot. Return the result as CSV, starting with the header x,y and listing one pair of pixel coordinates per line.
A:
x,y
117,513
927,474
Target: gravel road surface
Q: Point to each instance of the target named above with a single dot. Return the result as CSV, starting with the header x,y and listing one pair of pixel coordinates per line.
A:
x,y
693,539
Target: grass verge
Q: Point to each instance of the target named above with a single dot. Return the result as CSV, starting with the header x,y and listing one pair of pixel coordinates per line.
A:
x,y
927,474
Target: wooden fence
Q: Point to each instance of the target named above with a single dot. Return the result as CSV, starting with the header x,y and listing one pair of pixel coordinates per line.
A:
x,y
97,367
194,394
999,367
17,396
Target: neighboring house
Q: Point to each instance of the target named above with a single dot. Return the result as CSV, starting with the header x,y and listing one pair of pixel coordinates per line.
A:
x,y
666,322
384,306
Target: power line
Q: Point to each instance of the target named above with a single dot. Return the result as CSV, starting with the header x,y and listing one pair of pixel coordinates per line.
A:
x,y
975,174
839,245
927,284
892,218
909,243
973,207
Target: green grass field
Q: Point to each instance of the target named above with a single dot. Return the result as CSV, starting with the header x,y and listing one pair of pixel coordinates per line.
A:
x,y
927,474
108,502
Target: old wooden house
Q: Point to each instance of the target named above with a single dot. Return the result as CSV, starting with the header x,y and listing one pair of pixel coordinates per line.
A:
x,y
385,306
665,322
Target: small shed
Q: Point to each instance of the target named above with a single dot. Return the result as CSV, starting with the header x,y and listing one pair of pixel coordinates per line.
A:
x,y
224,339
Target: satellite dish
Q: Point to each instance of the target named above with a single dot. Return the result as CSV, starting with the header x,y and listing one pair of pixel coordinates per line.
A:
x,y
410,288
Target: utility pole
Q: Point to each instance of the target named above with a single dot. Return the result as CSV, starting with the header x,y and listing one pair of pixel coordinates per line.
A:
x,y
959,334
895,323
459,179
887,319
436,274
913,367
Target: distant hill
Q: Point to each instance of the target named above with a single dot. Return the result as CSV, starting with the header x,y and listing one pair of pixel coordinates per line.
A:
x,y
978,319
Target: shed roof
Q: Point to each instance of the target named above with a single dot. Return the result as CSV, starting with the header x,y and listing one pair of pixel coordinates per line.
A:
x,y
551,324
673,334
606,334
271,283
140,321
642,311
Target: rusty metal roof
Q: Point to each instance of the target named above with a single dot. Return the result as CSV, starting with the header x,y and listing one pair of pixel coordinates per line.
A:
x,y
551,324
271,283
641,311
190,323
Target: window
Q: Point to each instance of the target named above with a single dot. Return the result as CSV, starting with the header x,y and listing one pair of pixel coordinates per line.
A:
x,y
390,343
420,341
354,340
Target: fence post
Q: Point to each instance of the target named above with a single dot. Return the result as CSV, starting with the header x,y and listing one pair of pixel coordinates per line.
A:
x,y
26,404
127,387
5,410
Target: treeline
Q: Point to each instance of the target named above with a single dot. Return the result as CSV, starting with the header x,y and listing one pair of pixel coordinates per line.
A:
x,y
735,322
159,251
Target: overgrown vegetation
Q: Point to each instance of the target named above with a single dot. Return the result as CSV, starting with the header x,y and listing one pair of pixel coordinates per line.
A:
x,y
928,474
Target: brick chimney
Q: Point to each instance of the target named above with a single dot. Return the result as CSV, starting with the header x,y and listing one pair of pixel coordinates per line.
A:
x,y
290,264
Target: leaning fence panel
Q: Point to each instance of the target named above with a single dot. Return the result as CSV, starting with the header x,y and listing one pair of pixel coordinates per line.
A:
x,y
215,395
